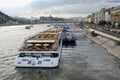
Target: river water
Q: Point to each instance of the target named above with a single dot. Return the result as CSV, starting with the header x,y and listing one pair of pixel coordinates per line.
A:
x,y
84,60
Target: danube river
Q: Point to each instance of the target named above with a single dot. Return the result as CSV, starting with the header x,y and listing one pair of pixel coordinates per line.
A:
x,y
84,60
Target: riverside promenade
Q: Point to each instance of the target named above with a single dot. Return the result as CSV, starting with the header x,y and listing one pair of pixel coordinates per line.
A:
x,y
105,34
107,41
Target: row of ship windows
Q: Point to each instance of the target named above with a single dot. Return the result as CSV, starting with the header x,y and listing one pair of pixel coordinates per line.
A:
x,y
39,55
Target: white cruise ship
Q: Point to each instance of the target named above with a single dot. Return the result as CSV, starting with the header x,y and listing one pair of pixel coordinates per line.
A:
x,y
41,50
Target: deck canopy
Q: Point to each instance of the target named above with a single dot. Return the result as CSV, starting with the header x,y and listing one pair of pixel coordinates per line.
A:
x,y
41,41
44,41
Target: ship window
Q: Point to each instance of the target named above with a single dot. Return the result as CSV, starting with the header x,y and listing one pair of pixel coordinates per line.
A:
x,y
22,55
28,54
46,55
29,62
25,55
54,55
37,55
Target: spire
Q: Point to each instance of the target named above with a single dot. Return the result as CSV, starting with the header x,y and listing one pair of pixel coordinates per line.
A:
x,y
50,16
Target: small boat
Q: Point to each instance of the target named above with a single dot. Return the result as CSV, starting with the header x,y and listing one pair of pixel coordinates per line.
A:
x,y
49,25
28,27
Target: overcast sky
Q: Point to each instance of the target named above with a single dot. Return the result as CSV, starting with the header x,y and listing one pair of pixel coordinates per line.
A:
x,y
59,8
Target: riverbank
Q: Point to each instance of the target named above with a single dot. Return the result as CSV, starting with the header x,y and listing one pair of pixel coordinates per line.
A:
x,y
106,43
3,25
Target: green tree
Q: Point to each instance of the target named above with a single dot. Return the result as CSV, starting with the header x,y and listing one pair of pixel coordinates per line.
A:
x,y
102,23
109,23
91,22
113,25
81,23
118,25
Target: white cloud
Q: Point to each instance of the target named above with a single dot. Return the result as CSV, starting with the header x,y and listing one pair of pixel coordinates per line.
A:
x,y
14,3
37,8
112,0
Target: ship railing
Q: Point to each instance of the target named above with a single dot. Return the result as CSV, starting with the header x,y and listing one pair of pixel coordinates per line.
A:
x,y
39,52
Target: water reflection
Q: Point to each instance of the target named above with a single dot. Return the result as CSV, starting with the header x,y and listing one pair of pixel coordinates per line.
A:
x,y
69,44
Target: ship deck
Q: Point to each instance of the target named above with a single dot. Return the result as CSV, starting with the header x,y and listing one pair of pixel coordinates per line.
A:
x,y
44,41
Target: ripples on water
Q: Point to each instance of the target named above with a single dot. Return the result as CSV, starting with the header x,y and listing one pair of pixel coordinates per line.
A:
x,y
81,61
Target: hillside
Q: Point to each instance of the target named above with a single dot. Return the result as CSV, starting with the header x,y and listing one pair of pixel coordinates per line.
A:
x,y
5,18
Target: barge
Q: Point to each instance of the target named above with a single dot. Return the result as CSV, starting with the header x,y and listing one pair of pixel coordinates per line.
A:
x,y
68,35
41,50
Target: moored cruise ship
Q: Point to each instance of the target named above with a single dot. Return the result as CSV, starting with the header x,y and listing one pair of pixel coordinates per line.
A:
x,y
41,50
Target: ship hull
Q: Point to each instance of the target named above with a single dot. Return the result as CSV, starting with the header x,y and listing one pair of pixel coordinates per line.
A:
x,y
33,62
